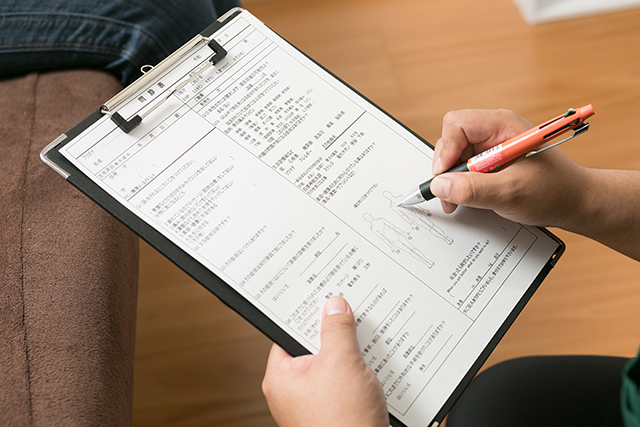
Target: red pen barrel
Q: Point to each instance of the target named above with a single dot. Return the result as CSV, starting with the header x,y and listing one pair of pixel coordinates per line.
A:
x,y
498,156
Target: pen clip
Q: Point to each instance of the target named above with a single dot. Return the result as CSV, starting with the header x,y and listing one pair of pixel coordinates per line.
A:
x,y
576,132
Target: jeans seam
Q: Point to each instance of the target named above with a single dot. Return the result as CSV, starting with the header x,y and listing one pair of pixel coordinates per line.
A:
x,y
88,48
104,22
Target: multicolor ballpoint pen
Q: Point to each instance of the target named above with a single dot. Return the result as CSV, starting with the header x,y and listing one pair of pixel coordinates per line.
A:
x,y
525,144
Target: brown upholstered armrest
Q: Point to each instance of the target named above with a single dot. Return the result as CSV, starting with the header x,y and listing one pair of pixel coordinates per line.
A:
x,y
68,271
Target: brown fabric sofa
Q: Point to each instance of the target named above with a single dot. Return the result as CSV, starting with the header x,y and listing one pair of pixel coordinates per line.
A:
x,y
68,270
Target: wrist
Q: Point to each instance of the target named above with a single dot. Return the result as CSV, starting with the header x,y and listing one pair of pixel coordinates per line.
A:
x,y
580,200
607,210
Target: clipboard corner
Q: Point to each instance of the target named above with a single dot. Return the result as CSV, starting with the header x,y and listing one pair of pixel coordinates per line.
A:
x,y
44,155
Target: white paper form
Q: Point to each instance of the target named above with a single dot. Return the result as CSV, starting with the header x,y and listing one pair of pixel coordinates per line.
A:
x,y
285,183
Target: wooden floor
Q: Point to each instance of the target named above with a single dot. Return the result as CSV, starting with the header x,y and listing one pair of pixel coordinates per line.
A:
x,y
200,364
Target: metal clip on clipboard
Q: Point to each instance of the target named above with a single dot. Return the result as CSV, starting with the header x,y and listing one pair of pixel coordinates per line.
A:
x,y
128,125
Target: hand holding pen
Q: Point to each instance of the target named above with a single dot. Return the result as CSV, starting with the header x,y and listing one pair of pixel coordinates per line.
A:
x,y
525,144
541,190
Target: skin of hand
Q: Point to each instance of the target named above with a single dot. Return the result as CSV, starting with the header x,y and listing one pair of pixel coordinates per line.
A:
x,y
333,388
547,189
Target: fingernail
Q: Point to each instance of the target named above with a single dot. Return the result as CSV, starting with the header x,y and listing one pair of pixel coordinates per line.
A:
x,y
447,207
440,187
335,305
437,167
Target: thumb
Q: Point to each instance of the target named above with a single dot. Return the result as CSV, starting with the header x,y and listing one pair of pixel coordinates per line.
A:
x,y
477,190
338,332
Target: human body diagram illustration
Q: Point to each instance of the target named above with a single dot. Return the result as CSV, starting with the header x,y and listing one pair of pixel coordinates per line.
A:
x,y
416,218
399,240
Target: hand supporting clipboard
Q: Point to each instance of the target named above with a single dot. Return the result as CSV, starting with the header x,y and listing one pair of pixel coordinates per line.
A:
x,y
264,178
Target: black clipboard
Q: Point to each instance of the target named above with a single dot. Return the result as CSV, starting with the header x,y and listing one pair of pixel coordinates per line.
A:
x,y
199,272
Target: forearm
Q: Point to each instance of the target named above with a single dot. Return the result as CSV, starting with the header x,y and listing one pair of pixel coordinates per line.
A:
x,y
610,210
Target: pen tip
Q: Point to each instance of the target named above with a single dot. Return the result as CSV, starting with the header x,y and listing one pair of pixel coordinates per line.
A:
x,y
413,199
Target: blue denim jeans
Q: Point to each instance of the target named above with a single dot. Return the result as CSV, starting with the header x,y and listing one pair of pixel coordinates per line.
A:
x,y
118,36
